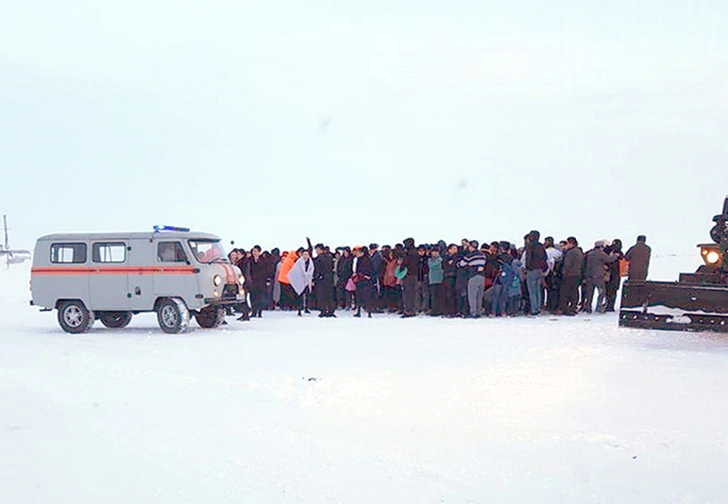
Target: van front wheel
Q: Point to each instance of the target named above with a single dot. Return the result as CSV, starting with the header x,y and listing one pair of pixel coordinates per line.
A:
x,y
210,317
173,316
115,320
74,317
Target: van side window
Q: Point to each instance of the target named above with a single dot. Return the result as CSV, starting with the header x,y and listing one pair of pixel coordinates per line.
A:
x,y
171,252
109,252
68,253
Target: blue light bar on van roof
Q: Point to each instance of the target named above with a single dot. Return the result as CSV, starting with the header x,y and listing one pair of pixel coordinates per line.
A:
x,y
159,228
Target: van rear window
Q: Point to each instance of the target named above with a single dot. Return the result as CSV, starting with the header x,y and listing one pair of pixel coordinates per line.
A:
x,y
109,252
68,253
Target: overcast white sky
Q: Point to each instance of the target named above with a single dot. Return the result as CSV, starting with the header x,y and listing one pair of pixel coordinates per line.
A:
x,y
271,120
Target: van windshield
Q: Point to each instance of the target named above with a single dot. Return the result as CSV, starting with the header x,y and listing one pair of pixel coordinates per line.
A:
x,y
208,251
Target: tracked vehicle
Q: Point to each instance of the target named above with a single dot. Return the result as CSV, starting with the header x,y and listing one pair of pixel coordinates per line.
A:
x,y
696,302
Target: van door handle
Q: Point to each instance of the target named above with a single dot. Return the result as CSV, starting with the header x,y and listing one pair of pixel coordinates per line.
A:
x,y
137,291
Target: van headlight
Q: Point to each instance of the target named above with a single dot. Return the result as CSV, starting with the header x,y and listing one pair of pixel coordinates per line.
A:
x,y
217,280
711,255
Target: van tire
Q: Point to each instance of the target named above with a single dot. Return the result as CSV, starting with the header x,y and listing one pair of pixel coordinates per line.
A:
x,y
173,316
74,317
115,319
210,317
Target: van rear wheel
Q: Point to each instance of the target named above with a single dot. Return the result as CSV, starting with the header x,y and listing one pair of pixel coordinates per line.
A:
x,y
74,317
210,317
115,320
173,316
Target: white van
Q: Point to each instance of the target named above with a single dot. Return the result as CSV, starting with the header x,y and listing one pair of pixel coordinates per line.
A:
x,y
112,276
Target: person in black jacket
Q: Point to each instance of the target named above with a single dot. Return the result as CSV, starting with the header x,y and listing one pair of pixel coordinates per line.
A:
x,y
614,278
449,269
572,267
638,256
238,258
536,265
378,269
422,294
363,275
323,286
257,280
409,284
343,273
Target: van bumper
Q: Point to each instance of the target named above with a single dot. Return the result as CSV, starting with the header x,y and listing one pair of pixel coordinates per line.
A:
x,y
225,301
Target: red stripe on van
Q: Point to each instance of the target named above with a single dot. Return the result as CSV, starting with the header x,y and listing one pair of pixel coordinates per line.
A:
x,y
229,273
113,270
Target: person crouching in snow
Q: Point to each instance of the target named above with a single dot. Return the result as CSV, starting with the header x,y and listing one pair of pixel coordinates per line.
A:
x,y
362,275
301,278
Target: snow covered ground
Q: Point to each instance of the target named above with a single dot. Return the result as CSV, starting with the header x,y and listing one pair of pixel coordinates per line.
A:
x,y
286,410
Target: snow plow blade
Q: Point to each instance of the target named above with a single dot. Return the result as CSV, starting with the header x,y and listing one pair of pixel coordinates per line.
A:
x,y
693,304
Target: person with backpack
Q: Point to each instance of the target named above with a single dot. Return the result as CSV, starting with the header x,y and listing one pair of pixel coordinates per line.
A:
x,y
515,290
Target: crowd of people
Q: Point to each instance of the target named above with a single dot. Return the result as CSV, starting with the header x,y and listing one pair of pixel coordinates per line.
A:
x,y
469,280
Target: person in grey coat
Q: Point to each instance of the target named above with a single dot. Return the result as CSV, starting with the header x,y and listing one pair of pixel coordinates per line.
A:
x,y
570,277
596,262
638,257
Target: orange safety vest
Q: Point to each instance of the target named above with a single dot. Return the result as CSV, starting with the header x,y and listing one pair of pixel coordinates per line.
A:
x,y
286,266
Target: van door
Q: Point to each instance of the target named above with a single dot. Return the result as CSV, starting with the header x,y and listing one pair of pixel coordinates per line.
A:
x,y
108,279
177,277
141,274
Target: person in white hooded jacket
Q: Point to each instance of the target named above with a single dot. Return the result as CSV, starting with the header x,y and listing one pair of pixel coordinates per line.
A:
x,y
301,278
